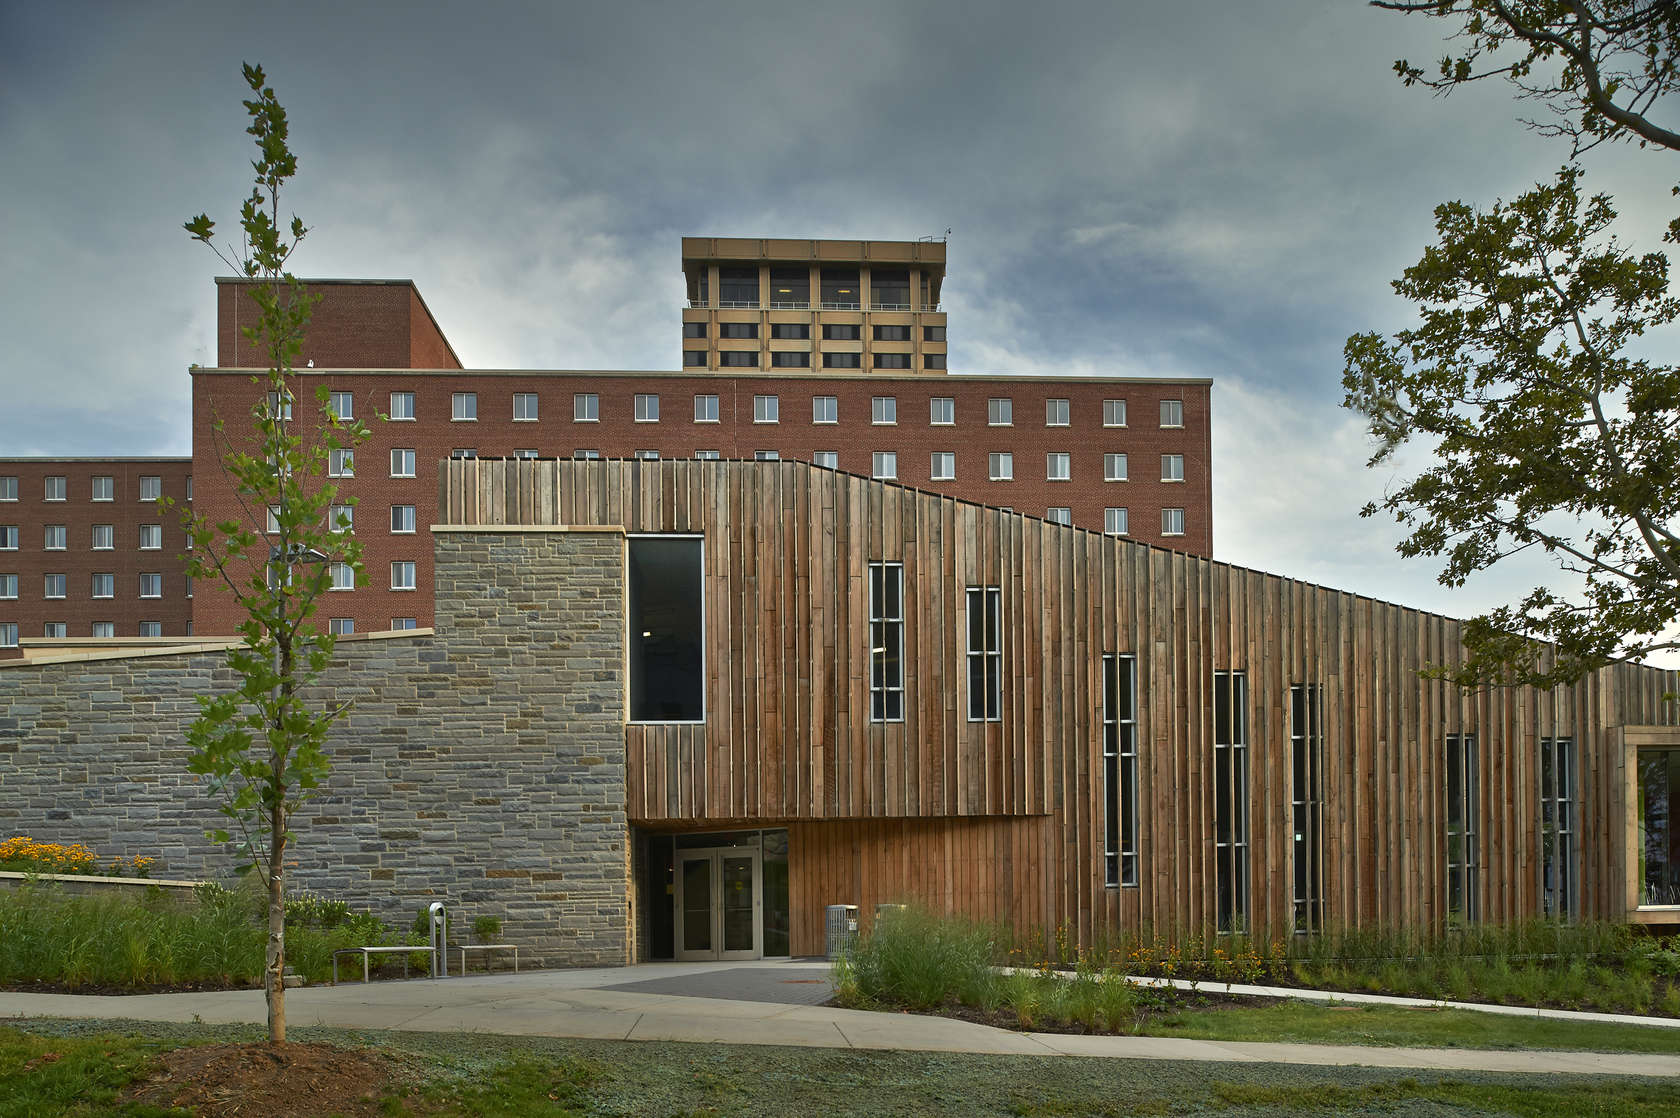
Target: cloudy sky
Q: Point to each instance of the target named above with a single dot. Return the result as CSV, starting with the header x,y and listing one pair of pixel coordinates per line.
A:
x,y
1198,189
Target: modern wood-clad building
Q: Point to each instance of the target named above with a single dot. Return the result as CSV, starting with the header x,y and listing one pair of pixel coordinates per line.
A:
x,y
897,695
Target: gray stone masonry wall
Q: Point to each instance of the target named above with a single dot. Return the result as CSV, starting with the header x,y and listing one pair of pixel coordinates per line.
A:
x,y
483,766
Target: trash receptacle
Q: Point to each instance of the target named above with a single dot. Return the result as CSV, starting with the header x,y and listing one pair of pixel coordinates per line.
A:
x,y
841,927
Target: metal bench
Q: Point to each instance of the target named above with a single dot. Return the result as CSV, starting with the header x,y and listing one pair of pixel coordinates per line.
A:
x,y
366,952
463,948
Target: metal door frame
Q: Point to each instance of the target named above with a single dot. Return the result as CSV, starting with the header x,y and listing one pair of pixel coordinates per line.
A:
x,y
716,855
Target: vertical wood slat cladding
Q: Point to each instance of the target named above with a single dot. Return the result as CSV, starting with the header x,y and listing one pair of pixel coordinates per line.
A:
x,y
787,739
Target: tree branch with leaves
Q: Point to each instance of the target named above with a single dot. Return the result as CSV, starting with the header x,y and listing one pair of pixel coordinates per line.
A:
x,y
263,746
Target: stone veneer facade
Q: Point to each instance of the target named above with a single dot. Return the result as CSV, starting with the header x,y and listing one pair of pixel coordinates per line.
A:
x,y
482,765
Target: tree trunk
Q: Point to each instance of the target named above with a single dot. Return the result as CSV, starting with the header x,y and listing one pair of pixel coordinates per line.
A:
x,y
274,960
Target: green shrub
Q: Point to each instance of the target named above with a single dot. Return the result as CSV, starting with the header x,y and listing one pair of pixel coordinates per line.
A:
x,y
487,929
920,960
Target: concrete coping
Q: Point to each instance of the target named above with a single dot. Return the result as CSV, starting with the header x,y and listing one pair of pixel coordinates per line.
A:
x,y
179,647
97,879
509,529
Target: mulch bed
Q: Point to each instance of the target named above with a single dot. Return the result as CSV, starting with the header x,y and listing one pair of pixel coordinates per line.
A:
x,y
141,988
288,1081
1175,1003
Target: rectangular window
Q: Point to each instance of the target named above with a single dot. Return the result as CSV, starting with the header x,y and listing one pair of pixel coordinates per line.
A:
x,y
104,629
667,629
104,537
790,287
189,494
985,654
151,584
1657,844
8,487
151,489
827,459
56,489
402,574
1058,466
1463,828
933,360
8,537
1230,799
402,406
1000,411
1172,413
791,331
8,587
463,406
790,359
1056,413
647,455
841,291
526,452
738,359
840,332
463,453
1114,467
1557,827
933,333
886,642
586,455
402,519
586,407
104,586
647,407
705,409
341,518
766,409
942,411
1000,466
278,403
155,628
55,630
943,466
825,409
55,537
885,465
1172,522
892,333
341,626
525,407
1059,514
403,624
883,409
188,581
1306,804
694,359
707,455
892,360
742,331
104,489
341,405
1115,521
273,520
402,461
1172,467
1114,413
1120,792
842,360
694,329
766,456
889,289
8,634
151,537
342,575
341,462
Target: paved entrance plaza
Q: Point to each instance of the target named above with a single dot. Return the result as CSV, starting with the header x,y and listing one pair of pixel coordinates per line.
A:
x,y
773,1002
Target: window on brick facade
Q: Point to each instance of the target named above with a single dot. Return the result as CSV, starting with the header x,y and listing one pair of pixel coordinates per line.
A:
x,y
767,456
942,411
341,518
825,409
1056,413
8,488
1058,466
827,459
55,630
647,455
705,409
103,537
151,488
707,455
403,624
104,585
1115,521
1114,467
342,575
8,537
647,407
341,462
526,452
1172,413
463,453
1172,522
1058,514
1172,467
341,626
1000,411
1000,466
1114,413
883,409
943,466
151,584
151,537
55,537
402,406
8,634
104,489
402,461
586,455
767,409
55,489
9,587
341,405
402,519
153,628
525,407
402,574
463,406
885,465
104,629
586,407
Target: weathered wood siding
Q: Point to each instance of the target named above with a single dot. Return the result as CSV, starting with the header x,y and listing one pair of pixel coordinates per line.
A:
x,y
787,738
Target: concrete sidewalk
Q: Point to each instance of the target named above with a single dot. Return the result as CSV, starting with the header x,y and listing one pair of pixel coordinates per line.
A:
x,y
596,1004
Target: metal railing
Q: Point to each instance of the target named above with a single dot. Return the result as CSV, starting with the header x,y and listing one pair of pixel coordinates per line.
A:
x,y
827,306
738,304
799,305
889,306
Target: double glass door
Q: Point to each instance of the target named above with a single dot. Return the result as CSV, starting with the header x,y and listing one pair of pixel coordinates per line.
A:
x,y
719,908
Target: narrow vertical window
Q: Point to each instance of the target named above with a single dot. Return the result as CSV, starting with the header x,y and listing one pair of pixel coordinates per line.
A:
x,y
985,654
1120,821
886,642
1557,827
1306,804
667,629
1463,855
1230,798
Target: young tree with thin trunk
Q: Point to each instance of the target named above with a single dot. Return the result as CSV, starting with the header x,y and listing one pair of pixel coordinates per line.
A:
x,y
262,746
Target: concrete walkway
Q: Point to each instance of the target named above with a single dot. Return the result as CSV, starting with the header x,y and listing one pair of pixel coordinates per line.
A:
x,y
637,1003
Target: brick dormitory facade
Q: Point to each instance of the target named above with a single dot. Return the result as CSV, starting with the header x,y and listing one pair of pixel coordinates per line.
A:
x,y
829,352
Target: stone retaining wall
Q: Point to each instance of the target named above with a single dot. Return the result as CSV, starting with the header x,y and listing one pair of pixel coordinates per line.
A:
x,y
482,765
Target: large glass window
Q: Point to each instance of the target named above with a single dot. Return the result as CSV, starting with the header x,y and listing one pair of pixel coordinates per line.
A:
x,y
840,291
1463,830
889,289
1230,798
886,642
1306,804
985,654
667,629
1557,827
1120,792
1659,831
790,288
738,286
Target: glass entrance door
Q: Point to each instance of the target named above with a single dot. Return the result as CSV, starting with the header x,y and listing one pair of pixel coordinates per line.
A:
x,y
719,910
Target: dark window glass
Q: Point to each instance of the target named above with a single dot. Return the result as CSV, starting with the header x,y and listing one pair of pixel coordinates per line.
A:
x,y
840,332
694,357
737,329
738,285
840,288
889,287
841,360
933,360
790,285
892,360
892,333
1306,759
667,629
792,330
933,333
1659,832
799,360
1230,799
738,359
694,329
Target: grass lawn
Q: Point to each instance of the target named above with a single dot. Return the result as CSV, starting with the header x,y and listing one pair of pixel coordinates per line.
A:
x,y
1295,1022
80,1068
